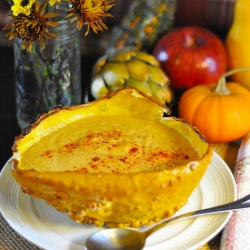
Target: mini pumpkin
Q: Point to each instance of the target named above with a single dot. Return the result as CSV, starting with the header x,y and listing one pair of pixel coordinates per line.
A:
x,y
220,111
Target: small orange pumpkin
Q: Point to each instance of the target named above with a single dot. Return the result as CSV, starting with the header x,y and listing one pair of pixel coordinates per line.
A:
x,y
221,112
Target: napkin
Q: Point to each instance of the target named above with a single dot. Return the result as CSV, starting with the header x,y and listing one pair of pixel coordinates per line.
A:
x,y
236,234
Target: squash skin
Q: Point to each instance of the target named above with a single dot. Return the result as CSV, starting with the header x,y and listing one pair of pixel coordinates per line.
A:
x,y
219,117
146,198
114,199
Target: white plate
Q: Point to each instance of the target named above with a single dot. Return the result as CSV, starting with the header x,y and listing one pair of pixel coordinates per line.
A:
x,y
50,229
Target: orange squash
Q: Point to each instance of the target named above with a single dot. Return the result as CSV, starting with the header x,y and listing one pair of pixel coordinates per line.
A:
x,y
220,111
238,42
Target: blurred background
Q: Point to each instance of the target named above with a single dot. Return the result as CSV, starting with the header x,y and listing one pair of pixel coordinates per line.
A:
x,y
215,15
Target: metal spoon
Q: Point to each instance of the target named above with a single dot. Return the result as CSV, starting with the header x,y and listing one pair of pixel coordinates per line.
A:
x,y
131,239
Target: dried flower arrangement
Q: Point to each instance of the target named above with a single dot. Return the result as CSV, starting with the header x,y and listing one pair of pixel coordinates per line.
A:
x,y
30,19
47,51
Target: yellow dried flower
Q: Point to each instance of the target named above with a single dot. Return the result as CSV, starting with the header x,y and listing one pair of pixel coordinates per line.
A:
x,y
31,28
30,22
90,13
22,7
53,2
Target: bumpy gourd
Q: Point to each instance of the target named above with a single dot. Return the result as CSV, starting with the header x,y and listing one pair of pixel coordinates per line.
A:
x,y
143,24
129,67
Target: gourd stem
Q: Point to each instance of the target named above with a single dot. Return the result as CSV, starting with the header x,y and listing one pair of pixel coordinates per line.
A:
x,y
221,87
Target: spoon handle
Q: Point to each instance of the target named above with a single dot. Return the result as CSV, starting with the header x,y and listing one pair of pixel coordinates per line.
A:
x,y
235,205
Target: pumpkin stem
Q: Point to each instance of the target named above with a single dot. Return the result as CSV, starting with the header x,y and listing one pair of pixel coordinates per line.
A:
x,y
221,87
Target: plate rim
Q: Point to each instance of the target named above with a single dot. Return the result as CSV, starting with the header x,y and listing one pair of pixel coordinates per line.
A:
x,y
7,167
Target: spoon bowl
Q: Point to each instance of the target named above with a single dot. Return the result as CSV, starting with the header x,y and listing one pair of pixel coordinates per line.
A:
x,y
131,239
114,238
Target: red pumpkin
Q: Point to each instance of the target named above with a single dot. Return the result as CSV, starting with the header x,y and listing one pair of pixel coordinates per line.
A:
x,y
191,56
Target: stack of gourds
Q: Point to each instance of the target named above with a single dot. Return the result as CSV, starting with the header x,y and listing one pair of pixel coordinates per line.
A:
x,y
219,110
127,62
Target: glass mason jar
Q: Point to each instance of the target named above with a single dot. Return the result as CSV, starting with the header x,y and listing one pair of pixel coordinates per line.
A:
x,y
49,77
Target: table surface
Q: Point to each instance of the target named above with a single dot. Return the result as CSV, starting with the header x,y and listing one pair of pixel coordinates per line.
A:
x,y
9,129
